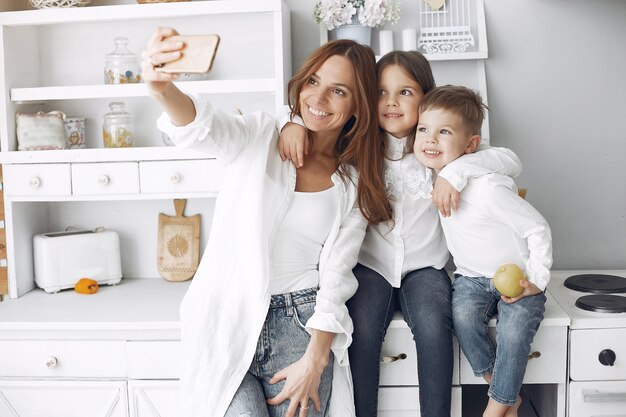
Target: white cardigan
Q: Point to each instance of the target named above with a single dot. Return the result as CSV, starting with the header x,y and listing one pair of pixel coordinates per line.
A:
x,y
225,307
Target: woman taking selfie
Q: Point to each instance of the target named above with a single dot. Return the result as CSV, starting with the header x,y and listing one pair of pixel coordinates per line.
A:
x,y
264,326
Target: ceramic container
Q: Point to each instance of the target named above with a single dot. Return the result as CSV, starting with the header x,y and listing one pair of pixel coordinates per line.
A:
x,y
74,132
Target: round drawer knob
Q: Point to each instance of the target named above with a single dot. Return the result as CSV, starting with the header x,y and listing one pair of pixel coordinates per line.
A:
x,y
103,180
534,355
35,182
174,178
52,362
607,357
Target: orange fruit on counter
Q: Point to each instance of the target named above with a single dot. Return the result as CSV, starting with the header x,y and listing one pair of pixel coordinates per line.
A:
x,y
86,286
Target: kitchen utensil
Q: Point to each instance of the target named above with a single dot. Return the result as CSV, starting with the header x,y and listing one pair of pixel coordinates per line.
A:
x,y
178,244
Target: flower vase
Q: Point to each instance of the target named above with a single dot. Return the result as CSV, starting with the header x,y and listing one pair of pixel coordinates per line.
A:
x,y
358,33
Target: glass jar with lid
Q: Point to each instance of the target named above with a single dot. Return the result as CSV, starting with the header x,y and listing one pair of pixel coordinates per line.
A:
x,y
122,66
117,129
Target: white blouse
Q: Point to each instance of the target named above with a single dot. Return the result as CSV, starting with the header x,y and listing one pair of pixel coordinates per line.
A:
x,y
225,307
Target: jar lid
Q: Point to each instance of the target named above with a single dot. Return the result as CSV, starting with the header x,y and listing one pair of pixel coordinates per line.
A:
x,y
117,107
121,49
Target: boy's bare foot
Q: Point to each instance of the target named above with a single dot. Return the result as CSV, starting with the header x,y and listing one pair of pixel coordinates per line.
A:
x,y
512,410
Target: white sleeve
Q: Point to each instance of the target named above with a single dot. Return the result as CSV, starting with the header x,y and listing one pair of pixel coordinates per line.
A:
x,y
485,160
284,116
504,205
212,132
338,284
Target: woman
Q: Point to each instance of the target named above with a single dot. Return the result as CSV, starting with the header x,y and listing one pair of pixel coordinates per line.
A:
x,y
258,284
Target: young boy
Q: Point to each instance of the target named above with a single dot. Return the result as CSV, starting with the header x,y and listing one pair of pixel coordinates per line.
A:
x,y
493,226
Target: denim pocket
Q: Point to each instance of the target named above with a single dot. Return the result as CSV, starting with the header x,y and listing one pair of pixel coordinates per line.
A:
x,y
302,313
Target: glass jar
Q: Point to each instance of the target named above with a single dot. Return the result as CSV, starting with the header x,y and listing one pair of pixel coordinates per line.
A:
x,y
122,66
117,130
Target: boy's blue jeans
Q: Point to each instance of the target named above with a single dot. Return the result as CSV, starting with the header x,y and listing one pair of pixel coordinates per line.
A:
x,y
425,301
282,342
474,302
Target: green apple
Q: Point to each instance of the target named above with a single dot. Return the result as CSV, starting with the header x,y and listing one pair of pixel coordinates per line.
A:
x,y
507,280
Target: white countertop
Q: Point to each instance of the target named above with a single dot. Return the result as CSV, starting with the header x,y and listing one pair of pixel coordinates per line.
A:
x,y
135,309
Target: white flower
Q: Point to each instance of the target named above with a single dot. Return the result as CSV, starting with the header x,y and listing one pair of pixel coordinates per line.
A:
x,y
373,13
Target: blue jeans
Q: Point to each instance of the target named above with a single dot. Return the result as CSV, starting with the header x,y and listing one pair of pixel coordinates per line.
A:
x,y
474,302
282,342
424,298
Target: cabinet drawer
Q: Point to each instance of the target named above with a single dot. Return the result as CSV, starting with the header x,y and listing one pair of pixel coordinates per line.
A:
x,y
62,359
153,360
589,347
37,180
399,359
548,361
105,178
597,398
404,402
197,176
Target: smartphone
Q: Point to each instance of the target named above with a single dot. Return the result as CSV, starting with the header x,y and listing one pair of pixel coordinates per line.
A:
x,y
197,57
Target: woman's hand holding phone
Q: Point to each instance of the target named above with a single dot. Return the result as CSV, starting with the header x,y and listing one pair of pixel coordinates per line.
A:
x,y
159,52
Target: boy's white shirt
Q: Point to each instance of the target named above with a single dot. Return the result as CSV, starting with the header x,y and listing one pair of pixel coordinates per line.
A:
x,y
224,309
415,240
494,226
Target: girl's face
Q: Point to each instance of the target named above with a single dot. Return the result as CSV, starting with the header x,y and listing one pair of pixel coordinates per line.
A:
x,y
399,97
327,99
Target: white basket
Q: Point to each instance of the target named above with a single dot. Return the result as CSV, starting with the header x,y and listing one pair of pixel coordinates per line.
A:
x,y
45,4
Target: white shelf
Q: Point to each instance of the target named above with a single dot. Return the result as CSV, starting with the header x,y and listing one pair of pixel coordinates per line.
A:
x,y
457,57
151,153
136,11
79,92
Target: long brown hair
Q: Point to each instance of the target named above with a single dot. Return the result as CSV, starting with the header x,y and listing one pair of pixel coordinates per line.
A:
x,y
359,144
416,66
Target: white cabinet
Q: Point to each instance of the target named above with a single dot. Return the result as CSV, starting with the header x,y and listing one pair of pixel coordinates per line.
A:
x,y
154,398
63,398
53,59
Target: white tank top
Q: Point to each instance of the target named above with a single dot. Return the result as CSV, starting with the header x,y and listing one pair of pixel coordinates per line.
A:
x,y
299,240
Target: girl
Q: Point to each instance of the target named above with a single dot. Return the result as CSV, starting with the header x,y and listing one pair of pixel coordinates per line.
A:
x,y
272,264
401,262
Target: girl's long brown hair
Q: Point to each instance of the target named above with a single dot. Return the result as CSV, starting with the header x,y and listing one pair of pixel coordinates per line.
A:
x,y
359,144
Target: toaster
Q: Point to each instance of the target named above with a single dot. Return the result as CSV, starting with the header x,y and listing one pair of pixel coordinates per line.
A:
x,y
62,258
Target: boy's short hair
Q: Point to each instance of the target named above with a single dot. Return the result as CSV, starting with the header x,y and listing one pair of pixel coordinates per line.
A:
x,y
465,103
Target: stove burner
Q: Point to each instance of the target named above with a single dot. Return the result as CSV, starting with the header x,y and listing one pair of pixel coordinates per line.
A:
x,y
596,283
602,303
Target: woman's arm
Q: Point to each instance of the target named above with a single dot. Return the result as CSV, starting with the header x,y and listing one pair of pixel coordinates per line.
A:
x,y
174,102
189,121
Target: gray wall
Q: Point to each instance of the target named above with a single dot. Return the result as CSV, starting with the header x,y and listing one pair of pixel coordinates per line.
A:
x,y
556,77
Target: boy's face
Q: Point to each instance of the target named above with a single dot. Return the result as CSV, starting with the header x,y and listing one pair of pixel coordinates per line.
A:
x,y
441,138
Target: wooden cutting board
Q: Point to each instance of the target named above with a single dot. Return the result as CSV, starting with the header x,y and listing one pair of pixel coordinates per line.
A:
x,y
179,244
